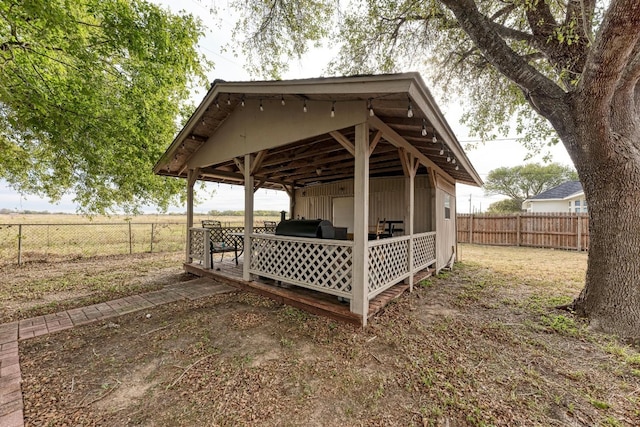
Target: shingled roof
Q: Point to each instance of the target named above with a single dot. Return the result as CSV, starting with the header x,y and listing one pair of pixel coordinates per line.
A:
x,y
562,191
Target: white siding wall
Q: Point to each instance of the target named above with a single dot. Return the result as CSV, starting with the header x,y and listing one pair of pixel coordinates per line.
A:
x,y
446,238
386,200
548,206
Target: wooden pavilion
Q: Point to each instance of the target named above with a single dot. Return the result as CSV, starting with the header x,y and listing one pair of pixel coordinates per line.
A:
x,y
356,151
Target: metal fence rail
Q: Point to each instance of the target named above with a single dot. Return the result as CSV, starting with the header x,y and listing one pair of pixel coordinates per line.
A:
x,y
21,243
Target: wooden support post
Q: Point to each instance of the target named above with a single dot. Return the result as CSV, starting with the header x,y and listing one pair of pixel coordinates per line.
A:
x,y
248,217
518,233
360,290
410,166
192,175
470,228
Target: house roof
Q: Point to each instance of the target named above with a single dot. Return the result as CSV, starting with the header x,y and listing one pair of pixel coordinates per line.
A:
x,y
562,191
315,147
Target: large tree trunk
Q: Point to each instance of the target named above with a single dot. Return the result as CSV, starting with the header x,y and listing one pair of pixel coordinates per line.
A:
x,y
611,180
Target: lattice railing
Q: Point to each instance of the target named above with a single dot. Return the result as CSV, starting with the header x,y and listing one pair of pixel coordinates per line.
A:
x,y
325,265
424,250
199,246
388,263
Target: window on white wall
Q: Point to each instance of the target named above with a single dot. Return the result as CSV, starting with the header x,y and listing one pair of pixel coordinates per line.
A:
x,y
447,206
577,206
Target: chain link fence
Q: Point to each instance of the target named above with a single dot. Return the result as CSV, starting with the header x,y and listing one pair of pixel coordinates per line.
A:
x,y
20,243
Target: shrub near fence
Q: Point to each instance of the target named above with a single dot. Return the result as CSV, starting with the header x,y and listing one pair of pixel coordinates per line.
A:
x,y
542,230
37,242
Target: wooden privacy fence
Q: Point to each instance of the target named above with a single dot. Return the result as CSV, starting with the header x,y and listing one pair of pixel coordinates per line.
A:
x,y
542,230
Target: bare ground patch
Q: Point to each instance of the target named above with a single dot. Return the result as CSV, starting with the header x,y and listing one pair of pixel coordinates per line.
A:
x,y
480,346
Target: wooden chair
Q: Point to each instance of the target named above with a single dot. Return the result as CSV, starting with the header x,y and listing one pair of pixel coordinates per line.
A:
x,y
269,226
377,231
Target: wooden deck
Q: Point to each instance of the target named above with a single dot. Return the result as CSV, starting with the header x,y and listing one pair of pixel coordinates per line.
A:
x,y
306,299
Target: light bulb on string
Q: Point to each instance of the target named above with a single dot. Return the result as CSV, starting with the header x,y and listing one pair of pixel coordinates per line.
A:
x,y
453,161
333,109
370,107
261,107
217,104
410,110
434,139
304,106
457,167
229,99
448,157
282,100
242,101
424,128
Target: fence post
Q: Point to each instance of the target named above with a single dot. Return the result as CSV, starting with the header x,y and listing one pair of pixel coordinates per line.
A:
x,y
579,243
151,250
130,240
518,230
20,244
471,228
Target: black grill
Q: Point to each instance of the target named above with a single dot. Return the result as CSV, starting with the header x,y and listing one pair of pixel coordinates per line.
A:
x,y
314,228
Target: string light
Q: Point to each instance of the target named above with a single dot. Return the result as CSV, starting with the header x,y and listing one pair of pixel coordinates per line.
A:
x,y
410,109
217,104
457,167
203,122
261,107
441,148
304,106
453,161
282,100
229,99
242,101
424,127
448,157
370,107
333,109
434,139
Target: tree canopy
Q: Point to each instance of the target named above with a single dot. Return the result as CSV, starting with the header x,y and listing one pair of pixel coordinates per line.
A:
x,y
505,206
522,182
91,95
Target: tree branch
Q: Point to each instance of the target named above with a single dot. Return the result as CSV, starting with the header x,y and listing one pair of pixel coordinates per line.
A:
x,y
500,55
541,20
611,54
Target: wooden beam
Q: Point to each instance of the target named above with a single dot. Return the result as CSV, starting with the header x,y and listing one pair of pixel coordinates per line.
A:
x,y
397,140
404,160
257,162
259,185
344,142
374,142
234,176
239,164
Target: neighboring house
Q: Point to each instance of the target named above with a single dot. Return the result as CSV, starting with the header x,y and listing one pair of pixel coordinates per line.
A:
x,y
566,197
354,152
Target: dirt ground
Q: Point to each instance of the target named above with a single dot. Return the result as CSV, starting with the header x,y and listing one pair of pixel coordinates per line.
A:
x,y
482,345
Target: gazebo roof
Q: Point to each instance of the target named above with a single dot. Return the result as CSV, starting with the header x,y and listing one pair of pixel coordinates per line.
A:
x,y
316,147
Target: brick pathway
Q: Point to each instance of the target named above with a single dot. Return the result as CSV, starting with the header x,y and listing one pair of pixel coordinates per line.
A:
x,y
11,414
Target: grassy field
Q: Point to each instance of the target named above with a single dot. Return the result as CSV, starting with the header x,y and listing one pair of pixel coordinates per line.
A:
x,y
67,237
482,345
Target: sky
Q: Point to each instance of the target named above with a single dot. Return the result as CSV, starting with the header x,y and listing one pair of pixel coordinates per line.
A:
x,y
491,155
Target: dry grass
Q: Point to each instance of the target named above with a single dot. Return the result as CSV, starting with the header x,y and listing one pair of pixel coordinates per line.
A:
x,y
479,346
